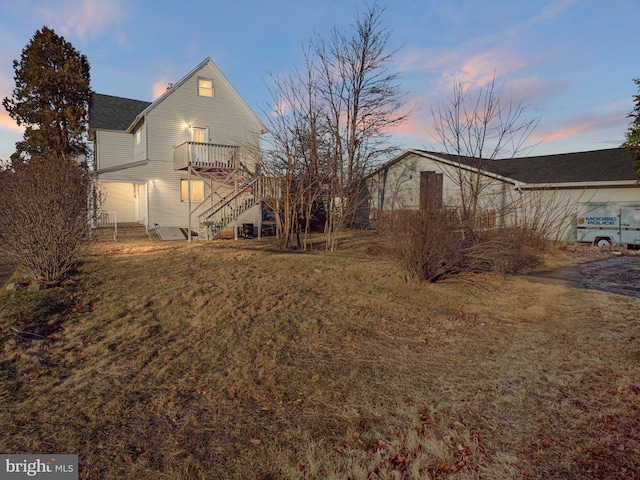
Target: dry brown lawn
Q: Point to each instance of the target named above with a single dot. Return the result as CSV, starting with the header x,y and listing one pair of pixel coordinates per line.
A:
x,y
232,360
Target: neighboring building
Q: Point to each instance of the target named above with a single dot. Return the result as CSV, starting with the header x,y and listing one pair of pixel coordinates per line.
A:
x,y
190,159
557,189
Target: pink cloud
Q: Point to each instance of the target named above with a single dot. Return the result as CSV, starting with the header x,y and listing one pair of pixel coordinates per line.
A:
x,y
8,123
414,126
282,107
479,70
575,127
474,69
476,60
568,132
160,87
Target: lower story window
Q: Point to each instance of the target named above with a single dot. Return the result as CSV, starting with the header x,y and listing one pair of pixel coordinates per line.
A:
x,y
197,190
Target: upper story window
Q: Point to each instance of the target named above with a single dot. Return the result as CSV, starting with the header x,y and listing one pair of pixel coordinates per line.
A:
x,y
138,137
205,87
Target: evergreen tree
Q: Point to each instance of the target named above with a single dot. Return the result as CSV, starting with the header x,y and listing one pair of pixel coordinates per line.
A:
x,y
51,98
633,132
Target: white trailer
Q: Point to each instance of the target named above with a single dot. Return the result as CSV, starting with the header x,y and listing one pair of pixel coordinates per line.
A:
x,y
605,223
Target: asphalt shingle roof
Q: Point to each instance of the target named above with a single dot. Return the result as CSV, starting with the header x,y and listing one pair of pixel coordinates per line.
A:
x,y
614,164
113,113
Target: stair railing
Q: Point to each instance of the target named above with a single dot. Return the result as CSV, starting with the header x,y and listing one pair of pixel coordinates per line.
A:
x,y
106,219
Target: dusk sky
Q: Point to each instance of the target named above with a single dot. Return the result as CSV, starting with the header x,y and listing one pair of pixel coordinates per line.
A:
x,y
571,61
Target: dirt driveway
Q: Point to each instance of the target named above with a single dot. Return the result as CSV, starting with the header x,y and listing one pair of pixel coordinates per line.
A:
x,y
618,274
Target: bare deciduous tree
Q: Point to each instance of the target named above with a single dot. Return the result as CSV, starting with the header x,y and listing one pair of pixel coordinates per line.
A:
x,y
363,101
330,124
294,153
477,127
480,129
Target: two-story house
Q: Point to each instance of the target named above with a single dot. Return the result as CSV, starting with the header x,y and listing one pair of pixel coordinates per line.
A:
x,y
190,159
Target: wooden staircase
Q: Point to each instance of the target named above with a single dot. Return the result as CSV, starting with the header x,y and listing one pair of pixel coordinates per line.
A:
x,y
228,209
238,187
248,191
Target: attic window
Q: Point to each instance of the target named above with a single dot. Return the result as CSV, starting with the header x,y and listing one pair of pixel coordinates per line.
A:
x,y
205,87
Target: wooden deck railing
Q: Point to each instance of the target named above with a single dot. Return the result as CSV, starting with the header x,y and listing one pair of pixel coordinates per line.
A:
x,y
205,155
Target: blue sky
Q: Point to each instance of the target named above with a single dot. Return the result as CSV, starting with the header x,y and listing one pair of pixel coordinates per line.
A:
x,y
572,62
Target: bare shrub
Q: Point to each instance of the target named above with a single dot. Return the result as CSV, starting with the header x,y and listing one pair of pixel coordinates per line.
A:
x,y
503,250
418,241
43,215
431,245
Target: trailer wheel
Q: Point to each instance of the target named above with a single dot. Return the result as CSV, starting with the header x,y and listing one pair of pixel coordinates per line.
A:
x,y
602,242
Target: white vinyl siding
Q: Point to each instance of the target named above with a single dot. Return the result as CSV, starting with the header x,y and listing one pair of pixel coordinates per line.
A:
x,y
170,123
140,147
402,185
621,194
115,148
166,125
